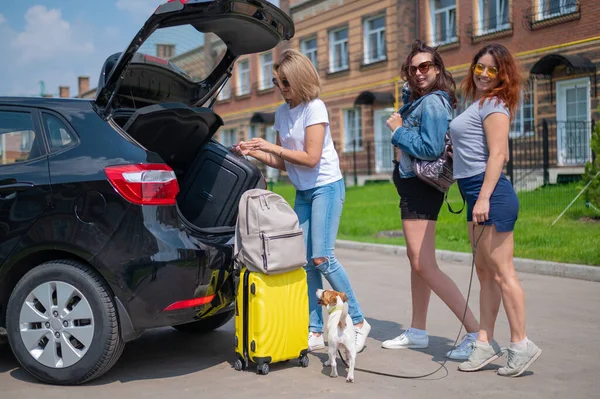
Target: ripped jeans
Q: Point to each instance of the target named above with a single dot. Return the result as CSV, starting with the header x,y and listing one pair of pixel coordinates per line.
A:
x,y
319,211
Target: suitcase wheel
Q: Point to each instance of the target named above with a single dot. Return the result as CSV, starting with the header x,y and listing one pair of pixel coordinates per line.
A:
x,y
262,369
238,365
303,361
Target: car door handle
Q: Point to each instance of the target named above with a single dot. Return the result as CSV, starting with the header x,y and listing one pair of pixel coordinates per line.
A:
x,y
9,191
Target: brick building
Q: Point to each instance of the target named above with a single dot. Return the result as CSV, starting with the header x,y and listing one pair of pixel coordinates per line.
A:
x,y
359,45
557,43
357,48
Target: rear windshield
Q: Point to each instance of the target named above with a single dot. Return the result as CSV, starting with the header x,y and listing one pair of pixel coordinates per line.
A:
x,y
191,53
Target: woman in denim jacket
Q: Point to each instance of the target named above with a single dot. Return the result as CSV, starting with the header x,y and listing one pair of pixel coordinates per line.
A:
x,y
419,131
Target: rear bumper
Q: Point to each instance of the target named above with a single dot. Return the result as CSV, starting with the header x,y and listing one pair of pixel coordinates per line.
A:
x,y
152,262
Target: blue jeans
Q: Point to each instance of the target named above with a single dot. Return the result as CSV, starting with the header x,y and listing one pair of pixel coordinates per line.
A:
x,y
319,211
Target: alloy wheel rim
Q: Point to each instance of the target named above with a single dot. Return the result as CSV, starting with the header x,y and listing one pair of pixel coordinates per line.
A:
x,y
56,324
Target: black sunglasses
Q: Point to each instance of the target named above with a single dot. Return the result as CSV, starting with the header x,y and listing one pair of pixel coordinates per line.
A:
x,y
423,67
284,82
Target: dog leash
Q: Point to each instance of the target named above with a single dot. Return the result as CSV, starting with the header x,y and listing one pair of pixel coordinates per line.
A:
x,y
443,365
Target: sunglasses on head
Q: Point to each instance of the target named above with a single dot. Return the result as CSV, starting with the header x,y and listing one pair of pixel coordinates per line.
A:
x,y
478,69
423,67
284,82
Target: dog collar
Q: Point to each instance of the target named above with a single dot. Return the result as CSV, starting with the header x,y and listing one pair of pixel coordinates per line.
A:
x,y
335,309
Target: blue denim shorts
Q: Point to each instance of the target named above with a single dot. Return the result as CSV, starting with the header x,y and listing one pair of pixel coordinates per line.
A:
x,y
504,204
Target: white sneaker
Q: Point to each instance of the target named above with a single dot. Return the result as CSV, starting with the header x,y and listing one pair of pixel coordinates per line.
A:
x,y
361,335
409,340
464,349
315,342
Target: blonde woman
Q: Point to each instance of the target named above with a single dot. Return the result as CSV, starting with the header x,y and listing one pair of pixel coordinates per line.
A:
x,y
305,150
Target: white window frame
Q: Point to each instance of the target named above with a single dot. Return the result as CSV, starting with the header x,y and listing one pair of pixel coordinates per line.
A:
x,y
311,53
561,115
243,77
565,7
518,129
228,137
266,71
447,11
379,34
497,25
253,131
225,93
352,132
344,64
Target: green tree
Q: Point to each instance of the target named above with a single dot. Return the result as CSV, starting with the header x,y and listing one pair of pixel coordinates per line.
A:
x,y
591,170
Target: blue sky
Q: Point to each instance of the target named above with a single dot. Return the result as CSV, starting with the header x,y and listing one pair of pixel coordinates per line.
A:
x,y
55,41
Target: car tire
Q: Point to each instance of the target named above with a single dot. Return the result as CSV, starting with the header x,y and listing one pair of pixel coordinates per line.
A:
x,y
206,325
90,342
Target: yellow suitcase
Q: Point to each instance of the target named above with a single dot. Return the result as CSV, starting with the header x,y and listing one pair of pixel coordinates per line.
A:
x,y
271,319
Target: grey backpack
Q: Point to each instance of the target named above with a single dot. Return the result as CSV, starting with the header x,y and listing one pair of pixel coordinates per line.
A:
x,y
268,237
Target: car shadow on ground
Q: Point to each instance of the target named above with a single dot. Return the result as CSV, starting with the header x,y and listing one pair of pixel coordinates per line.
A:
x,y
160,353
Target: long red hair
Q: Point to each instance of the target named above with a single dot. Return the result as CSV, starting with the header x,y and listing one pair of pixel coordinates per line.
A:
x,y
509,78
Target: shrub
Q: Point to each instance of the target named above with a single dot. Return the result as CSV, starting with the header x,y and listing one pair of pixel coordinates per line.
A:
x,y
592,194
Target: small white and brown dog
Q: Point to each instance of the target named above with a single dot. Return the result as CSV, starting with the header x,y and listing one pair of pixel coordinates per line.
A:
x,y
340,330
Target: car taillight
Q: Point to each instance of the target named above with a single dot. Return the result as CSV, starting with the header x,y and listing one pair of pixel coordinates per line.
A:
x,y
144,184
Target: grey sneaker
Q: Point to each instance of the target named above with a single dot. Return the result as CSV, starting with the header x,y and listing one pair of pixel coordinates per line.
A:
x,y
519,361
482,355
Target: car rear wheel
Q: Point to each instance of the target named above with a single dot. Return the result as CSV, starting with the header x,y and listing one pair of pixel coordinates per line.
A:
x,y
206,325
62,323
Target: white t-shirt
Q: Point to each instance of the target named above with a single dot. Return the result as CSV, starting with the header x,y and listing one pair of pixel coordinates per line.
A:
x,y
291,125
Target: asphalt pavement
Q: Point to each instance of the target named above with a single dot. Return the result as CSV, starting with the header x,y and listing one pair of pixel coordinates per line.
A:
x,y
563,318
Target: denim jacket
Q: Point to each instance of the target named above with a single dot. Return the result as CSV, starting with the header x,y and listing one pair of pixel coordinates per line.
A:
x,y
425,122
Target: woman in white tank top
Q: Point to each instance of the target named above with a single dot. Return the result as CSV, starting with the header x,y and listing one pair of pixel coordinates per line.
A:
x,y
305,150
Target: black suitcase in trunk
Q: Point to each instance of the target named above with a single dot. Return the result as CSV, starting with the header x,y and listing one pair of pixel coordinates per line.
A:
x,y
212,188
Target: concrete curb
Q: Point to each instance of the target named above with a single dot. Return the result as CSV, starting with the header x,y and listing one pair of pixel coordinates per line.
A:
x,y
579,272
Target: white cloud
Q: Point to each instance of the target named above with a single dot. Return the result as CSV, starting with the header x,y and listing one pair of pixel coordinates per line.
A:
x,y
2,19
48,36
139,8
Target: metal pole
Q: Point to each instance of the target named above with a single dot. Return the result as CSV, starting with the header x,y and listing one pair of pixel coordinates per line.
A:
x,y
546,152
354,162
369,158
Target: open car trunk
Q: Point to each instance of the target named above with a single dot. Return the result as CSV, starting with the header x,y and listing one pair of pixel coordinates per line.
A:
x,y
157,90
211,178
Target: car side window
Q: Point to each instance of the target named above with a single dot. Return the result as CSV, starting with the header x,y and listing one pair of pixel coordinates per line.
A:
x,y
18,140
59,136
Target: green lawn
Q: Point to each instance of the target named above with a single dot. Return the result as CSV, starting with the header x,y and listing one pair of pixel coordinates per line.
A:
x,y
574,239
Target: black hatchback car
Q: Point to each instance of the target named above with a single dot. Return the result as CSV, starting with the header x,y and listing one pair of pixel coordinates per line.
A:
x,y
117,215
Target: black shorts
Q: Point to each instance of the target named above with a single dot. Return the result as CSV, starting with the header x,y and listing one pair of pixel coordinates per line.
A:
x,y
418,200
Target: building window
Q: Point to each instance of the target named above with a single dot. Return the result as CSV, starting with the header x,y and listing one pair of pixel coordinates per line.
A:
x,y
243,78
165,51
443,21
555,8
252,132
309,49
523,122
266,71
228,137
493,16
338,50
225,93
374,29
352,130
